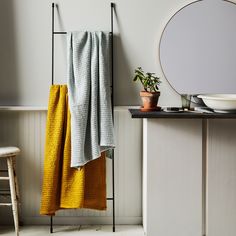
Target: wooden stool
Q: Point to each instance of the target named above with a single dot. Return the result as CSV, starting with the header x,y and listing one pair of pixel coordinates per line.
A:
x,y
9,153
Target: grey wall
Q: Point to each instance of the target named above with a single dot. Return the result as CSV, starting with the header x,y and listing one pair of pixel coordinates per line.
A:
x,y
25,49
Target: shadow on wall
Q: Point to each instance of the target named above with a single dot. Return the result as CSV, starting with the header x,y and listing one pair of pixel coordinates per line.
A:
x,y
124,89
8,65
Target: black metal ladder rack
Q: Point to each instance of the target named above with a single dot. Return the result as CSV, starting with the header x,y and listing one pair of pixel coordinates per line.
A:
x,y
112,7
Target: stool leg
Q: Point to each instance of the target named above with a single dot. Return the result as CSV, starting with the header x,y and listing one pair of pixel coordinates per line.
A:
x,y
15,179
17,191
13,194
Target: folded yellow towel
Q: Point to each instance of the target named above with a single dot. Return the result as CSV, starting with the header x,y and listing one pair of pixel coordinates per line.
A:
x,y
63,186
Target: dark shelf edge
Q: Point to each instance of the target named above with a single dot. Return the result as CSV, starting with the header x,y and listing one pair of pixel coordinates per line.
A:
x,y
137,114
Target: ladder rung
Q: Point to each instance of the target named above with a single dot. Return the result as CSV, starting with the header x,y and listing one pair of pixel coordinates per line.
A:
x,y
5,190
4,178
110,199
5,204
5,193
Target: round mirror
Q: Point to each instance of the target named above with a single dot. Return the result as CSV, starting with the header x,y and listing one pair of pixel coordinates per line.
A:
x,y
198,48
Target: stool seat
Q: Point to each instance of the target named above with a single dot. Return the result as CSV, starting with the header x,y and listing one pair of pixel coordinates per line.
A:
x,y
9,151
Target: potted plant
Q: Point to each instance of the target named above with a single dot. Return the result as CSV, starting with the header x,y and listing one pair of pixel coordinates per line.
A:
x,y
151,93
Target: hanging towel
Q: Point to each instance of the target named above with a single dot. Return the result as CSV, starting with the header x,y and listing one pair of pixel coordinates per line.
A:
x,y
63,186
89,95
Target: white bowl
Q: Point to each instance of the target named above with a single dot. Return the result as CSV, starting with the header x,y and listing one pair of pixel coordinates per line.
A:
x,y
220,102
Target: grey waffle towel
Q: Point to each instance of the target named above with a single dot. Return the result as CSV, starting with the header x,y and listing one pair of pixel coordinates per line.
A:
x,y
89,95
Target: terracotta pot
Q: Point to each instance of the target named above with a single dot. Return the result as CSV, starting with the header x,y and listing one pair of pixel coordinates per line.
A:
x,y
150,99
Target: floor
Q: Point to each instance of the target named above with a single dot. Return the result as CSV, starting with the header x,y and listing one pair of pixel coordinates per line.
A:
x,y
90,230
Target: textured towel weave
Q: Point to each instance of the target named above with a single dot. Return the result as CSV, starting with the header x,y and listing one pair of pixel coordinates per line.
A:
x,y
89,95
63,186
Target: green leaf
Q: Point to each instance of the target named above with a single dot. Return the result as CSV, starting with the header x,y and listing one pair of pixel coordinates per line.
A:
x,y
135,78
149,81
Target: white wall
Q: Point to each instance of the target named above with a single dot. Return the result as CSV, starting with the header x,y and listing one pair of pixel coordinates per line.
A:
x,y
25,49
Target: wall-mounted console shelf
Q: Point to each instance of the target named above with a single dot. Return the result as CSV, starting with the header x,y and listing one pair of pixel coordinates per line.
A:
x,y
136,113
189,173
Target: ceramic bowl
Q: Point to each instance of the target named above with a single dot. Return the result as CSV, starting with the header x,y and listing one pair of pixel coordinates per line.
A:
x,y
220,102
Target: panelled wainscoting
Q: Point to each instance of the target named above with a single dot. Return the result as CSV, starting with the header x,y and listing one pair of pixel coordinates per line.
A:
x,y
25,128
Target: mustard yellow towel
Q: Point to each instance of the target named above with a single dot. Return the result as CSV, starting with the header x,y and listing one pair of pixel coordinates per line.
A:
x,y
63,186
